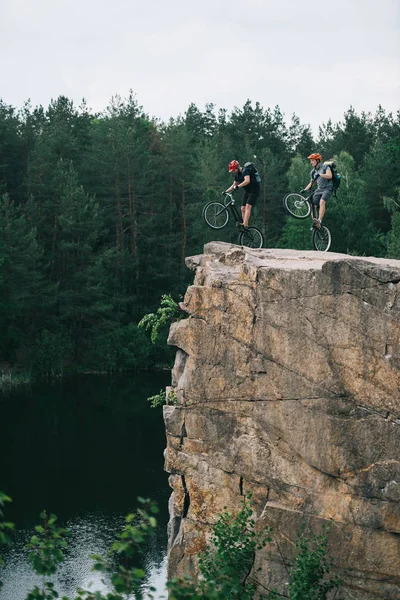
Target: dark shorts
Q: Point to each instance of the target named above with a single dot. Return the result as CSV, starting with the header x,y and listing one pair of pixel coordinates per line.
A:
x,y
321,195
250,198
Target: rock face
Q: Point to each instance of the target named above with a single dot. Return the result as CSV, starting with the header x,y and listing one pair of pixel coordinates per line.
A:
x,y
287,379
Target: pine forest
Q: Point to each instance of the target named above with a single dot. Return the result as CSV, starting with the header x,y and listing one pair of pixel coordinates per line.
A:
x,y
99,211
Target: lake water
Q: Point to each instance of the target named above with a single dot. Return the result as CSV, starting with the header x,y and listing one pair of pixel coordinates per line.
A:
x,y
84,449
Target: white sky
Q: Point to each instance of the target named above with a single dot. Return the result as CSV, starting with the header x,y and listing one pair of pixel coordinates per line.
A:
x,y
314,59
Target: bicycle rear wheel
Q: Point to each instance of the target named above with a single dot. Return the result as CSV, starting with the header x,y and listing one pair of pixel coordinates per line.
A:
x,y
321,239
297,205
251,238
215,215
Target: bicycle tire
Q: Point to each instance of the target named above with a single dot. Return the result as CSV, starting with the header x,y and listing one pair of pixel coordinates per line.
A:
x,y
321,239
215,215
251,238
297,205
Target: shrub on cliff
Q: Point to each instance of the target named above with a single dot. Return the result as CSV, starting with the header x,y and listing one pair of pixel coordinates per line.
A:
x,y
226,566
157,322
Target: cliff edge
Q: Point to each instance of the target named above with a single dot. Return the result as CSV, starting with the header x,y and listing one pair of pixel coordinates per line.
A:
x,y
287,379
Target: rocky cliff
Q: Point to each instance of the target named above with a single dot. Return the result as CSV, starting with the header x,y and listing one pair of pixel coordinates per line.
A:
x,y
287,379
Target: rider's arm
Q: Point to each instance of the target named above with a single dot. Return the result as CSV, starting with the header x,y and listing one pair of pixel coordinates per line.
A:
x,y
309,186
246,181
327,174
234,184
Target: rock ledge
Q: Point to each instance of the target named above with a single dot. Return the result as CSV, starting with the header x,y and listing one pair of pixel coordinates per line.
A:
x,y
287,378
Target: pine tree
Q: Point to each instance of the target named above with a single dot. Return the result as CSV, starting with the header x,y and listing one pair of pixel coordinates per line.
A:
x,y
25,298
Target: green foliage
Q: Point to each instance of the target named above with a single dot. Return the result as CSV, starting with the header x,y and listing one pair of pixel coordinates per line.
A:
x,y
296,233
348,215
161,399
158,399
23,293
47,592
393,242
123,348
126,578
226,564
98,212
269,215
167,312
46,551
49,353
47,548
393,239
48,545
6,528
298,174
308,577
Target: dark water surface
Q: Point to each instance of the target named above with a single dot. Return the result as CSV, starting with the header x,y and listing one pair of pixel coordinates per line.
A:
x,y
84,449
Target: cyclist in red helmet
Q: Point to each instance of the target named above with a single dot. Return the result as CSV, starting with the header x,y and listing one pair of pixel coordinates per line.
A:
x,y
245,177
321,174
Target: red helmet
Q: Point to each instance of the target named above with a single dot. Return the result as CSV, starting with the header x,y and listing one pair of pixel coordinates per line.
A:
x,y
315,156
233,165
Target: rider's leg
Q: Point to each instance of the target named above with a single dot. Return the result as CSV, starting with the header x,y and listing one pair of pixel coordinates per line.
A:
x,y
246,215
245,201
249,200
322,208
324,199
316,201
313,212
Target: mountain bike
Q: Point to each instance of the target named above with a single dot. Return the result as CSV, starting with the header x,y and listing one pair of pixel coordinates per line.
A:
x,y
216,215
300,207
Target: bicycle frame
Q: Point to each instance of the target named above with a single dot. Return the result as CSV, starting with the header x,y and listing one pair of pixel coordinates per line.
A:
x,y
216,215
301,207
313,206
231,206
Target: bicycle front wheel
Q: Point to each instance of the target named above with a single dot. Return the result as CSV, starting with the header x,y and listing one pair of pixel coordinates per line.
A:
x,y
215,215
297,205
251,238
321,239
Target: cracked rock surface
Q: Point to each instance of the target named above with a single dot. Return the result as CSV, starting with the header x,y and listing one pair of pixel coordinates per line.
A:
x,y
287,379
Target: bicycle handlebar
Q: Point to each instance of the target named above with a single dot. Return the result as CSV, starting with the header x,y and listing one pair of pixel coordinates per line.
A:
x,y
231,198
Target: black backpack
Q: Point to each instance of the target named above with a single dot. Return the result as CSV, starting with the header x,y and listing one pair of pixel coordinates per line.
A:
x,y
335,175
253,171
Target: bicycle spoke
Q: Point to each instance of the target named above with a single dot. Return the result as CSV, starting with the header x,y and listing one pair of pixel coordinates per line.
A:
x,y
251,238
297,205
215,215
321,239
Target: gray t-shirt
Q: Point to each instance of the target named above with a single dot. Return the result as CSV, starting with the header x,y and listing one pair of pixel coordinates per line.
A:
x,y
323,184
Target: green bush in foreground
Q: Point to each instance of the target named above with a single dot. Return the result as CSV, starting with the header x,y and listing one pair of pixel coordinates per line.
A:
x,y
226,565
5,528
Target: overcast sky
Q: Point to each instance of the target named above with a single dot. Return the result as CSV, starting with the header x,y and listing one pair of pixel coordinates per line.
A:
x,y
312,59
